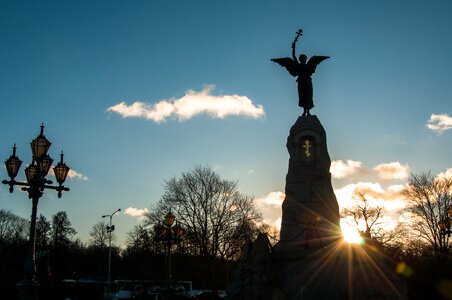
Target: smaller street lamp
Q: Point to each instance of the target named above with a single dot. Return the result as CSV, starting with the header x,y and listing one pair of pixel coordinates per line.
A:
x,y
169,233
110,229
445,224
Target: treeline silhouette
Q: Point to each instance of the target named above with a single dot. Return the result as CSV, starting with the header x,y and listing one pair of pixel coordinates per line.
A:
x,y
218,221
59,257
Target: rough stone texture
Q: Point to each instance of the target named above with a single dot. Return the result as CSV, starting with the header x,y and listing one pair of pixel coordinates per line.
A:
x,y
310,213
311,273
338,271
252,279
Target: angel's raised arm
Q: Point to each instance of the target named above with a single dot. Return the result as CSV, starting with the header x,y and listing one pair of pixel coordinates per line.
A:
x,y
294,56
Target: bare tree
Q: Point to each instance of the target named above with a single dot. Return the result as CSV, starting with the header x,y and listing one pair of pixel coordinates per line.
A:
x,y
14,232
12,227
99,235
364,213
218,219
429,198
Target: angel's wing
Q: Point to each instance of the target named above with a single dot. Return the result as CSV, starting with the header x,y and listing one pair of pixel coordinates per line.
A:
x,y
314,62
287,63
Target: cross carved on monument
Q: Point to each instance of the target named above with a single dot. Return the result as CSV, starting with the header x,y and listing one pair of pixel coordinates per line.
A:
x,y
307,146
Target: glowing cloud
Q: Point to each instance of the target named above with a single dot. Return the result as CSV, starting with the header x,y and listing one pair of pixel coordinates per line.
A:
x,y
392,170
439,123
190,105
276,223
138,213
390,198
274,199
340,169
445,175
270,206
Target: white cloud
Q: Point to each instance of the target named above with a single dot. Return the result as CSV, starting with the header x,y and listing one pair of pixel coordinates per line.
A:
x,y
71,175
138,213
352,169
270,206
340,169
75,174
392,170
439,123
446,174
396,188
390,198
190,105
274,222
274,199
215,166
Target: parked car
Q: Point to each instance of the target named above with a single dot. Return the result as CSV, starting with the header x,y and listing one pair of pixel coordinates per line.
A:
x,y
123,294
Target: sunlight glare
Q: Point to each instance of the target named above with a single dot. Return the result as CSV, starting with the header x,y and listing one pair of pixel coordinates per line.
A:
x,y
351,234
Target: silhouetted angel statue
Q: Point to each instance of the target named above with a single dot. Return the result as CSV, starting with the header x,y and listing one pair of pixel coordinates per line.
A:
x,y
303,70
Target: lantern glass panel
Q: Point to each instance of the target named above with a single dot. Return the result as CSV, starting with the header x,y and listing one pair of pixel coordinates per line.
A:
x,y
12,166
31,172
40,145
449,211
161,231
169,219
178,230
61,171
44,164
447,223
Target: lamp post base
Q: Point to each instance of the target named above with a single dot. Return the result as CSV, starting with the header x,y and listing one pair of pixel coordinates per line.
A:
x,y
28,289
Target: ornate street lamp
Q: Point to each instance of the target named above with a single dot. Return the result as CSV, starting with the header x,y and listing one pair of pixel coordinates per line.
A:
x,y
169,219
169,235
12,167
61,171
110,229
37,182
445,224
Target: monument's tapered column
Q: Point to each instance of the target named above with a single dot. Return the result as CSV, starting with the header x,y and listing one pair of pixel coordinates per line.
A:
x,y
310,210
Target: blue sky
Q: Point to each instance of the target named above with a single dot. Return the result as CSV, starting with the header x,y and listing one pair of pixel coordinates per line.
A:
x,y
68,63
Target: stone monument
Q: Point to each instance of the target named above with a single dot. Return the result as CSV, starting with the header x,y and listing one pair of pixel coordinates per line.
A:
x,y
311,260
310,212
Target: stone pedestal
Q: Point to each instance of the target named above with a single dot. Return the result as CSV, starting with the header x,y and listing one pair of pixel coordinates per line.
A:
x,y
314,273
338,271
310,213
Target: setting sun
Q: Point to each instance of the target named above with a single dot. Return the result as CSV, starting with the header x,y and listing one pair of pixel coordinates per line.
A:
x,y
350,233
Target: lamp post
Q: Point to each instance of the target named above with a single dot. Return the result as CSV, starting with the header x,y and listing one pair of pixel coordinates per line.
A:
x,y
445,224
37,182
445,231
169,235
110,229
